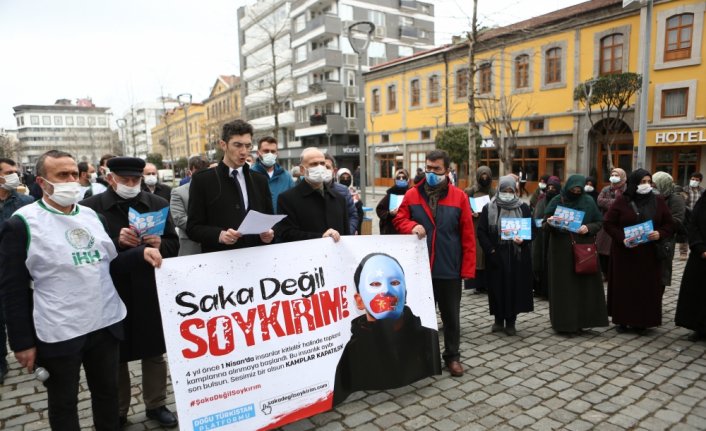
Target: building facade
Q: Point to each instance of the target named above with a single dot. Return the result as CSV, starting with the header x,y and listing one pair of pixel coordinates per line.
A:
x,y
181,133
81,129
222,106
136,136
534,66
319,70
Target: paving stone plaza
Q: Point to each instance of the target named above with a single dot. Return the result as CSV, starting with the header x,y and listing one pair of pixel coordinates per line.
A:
x,y
535,380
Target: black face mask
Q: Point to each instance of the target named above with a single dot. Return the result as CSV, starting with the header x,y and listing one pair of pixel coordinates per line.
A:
x,y
485,182
345,182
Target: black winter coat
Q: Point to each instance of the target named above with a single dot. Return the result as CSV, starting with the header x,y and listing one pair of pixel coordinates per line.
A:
x,y
309,214
692,295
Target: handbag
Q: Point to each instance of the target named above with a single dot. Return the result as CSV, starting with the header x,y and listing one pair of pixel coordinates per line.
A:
x,y
585,257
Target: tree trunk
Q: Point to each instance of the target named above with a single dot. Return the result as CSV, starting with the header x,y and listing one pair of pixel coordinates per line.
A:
x,y
275,100
470,90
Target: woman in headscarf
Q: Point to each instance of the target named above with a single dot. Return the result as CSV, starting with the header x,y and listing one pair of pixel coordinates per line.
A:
x,y
605,200
590,188
576,301
635,273
385,214
664,184
692,295
540,243
482,187
508,262
539,191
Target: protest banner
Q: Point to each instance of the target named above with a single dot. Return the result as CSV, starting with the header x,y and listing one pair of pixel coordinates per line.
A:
x,y
254,336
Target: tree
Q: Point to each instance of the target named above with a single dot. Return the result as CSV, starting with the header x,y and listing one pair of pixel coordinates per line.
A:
x,y
503,120
156,159
473,133
455,142
9,147
181,164
606,100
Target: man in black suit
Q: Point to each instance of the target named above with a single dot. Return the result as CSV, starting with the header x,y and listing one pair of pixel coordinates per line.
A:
x,y
313,208
219,198
151,184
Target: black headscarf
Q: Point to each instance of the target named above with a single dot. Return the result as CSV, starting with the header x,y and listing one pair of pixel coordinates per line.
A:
x,y
581,202
594,193
646,204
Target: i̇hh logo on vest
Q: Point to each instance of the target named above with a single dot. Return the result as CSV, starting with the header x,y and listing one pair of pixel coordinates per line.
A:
x,y
82,240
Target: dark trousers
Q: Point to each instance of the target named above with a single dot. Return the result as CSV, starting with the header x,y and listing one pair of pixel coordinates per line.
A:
x,y
99,357
154,384
447,295
3,340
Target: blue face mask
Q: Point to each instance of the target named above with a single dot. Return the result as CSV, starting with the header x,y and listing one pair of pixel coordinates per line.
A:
x,y
401,183
434,179
382,288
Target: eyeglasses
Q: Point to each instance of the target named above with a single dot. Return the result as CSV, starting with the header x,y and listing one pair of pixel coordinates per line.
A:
x,y
240,145
401,177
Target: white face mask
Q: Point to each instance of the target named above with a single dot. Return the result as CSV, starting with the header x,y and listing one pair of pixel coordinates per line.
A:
x,y
65,194
328,176
317,174
692,183
268,159
92,178
542,186
506,197
12,181
614,180
588,189
643,189
127,192
150,180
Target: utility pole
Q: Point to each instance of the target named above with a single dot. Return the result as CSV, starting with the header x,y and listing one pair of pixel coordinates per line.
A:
x,y
166,127
471,90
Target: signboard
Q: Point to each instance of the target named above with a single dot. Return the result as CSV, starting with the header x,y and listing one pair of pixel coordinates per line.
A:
x,y
256,338
680,137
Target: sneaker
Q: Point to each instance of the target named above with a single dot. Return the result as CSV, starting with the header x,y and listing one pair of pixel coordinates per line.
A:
x,y
162,415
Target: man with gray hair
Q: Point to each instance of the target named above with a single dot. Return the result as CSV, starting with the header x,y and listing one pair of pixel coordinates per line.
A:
x,y
180,203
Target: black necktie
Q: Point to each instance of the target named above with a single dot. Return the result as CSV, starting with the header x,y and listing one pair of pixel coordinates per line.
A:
x,y
241,202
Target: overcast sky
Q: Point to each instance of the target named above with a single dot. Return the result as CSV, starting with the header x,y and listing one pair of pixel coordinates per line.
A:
x,y
120,52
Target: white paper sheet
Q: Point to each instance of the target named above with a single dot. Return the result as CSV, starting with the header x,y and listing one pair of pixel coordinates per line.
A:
x,y
256,223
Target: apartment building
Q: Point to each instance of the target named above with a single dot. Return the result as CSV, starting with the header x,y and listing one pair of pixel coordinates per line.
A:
x,y
181,132
222,106
139,121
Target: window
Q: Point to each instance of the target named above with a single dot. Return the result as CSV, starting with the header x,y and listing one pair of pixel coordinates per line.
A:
x,y
101,121
680,163
375,108
377,18
536,125
425,134
345,11
299,23
405,51
553,66
46,120
406,21
680,29
351,109
384,138
300,53
489,157
392,97
485,83
91,121
674,102
611,60
527,159
554,161
80,121
462,83
414,91
376,49
522,71
434,89
69,121
58,120
302,85
34,120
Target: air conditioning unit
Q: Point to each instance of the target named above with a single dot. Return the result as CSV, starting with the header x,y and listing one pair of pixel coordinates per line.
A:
x,y
351,92
350,59
352,123
380,31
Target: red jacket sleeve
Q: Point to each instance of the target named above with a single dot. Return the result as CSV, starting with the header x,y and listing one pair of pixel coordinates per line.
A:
x,y
403,222
468,239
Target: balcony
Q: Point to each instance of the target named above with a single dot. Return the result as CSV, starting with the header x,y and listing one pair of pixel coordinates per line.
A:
x,y
332,58
332,91
319,124
408,31
325,24
408,4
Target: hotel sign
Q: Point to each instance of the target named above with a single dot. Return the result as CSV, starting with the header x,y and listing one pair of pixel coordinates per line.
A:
x,y
681,137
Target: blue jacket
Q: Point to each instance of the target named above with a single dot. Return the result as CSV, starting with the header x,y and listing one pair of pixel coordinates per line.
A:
x,y
12,204
350,205
279,182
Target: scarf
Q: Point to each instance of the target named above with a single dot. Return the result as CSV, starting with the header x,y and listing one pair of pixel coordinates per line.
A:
x,y
646,204
582,202
435,194
498,209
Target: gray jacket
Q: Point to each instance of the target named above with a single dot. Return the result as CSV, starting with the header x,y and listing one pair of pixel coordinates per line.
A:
x,y
179,205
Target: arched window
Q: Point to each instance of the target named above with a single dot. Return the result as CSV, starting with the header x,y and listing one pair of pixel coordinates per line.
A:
x,y
680,30
611,54
522,71
553,66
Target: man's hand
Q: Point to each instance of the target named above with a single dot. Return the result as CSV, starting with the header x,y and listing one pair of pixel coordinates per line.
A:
x,y
26,358
394,212
333,234
582,230
268,236
517,240
475,215
152,240
229,237
419,231
128,238
153,257
653,236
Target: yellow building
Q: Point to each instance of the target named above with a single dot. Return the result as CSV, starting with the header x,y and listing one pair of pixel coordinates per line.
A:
x,y
170,135
537,63
222,106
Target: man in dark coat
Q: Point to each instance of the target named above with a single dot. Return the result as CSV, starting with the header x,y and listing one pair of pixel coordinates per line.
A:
x,y
151,184
144,338
219,198
312,208
692,295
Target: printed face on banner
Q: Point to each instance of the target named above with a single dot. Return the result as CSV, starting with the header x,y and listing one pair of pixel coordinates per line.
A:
x,y
382,288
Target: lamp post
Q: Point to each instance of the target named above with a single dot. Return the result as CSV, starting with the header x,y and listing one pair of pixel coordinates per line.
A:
x,y
588,92
328,135
360,46
184,100
122,123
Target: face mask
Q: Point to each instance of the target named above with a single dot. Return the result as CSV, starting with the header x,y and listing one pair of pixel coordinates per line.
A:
x,y
328,176
485,182
12,181
643,189
401,183
588,189
542,186
614,180
127,192
65,194
150,180
346,182
506,197
268,159
434,179
318,174
692,183
93,177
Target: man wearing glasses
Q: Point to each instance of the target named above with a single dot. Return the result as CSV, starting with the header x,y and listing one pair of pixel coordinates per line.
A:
x,y
220,197
440,212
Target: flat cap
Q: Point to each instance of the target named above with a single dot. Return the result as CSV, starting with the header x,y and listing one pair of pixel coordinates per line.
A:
x,y
126,166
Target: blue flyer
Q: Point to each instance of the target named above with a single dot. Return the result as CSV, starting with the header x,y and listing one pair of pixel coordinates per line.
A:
x,y
637,234
478,203
395,201
567,219
512,227
151,223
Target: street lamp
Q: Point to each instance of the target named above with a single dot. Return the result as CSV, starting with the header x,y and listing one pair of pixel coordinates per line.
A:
x,y
360,46
184,100
588,93
328,135
122,123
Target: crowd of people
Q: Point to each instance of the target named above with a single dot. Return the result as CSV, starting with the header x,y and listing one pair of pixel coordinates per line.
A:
x,y
77,284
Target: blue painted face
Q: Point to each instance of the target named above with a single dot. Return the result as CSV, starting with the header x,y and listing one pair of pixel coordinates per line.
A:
x,y
382,288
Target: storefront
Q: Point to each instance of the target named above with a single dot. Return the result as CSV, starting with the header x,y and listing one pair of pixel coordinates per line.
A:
x,y
679,152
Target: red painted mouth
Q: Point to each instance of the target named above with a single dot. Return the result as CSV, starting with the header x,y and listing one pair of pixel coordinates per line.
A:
x,y
382,303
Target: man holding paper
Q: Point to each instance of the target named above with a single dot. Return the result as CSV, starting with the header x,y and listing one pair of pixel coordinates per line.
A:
x,y
136,285
219,198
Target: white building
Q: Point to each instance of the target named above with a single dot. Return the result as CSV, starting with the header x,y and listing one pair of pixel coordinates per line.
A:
x,y
81,129
136,136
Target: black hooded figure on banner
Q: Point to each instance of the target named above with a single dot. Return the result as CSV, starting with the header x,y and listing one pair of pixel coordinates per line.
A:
x,y
389,347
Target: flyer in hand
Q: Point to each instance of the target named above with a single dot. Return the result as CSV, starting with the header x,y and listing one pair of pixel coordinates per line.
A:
x,y
395,201
151,223
512,227
567,218
637,234
478,203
